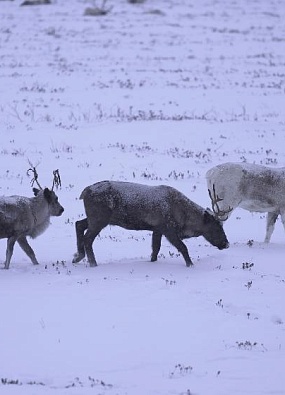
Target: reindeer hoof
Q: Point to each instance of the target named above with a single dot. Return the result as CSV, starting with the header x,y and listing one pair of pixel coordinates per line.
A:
x,y
78,257
93,264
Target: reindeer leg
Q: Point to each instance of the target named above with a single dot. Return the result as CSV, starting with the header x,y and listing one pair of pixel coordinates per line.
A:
x,y
156,244
94,228
80,227
89,237
98,219
270,222
181,247
9,251
282,213
23,243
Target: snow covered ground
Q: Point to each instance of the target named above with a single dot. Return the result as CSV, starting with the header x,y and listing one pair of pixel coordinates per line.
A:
x,y
155,93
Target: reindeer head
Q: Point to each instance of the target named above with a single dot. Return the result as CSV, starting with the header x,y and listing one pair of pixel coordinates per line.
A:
x,y
222,215
54,206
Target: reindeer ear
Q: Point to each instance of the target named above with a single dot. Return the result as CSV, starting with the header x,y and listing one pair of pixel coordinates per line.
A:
x,y
36,191
47,195
208,217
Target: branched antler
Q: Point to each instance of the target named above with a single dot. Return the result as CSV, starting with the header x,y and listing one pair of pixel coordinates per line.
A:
x,y
215,199
35,173
56,179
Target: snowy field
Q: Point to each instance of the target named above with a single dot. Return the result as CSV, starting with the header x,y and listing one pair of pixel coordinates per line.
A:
x,y
155,93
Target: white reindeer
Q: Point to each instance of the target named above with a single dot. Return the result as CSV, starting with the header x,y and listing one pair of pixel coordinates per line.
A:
x,y
21,216
252,187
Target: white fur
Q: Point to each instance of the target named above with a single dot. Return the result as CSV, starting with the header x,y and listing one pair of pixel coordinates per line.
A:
x,y
21,216
252,187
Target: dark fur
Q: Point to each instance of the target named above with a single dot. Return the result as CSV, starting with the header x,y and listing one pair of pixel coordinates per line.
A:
x,y
160,209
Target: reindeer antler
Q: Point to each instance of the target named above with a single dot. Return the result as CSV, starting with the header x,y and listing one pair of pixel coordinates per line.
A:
x,y
215,207
35,173
56,179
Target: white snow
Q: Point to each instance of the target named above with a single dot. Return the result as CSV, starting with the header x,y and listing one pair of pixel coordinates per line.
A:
x,y
154,93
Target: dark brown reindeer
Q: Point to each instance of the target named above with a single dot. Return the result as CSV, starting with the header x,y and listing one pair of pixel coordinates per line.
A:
x,y
160,209
21,216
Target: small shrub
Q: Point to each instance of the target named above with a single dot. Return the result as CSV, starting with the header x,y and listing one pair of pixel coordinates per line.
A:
x,y
36,2
247,265
247,345
180,370
219,303
250,243
98,10
248,284
136,1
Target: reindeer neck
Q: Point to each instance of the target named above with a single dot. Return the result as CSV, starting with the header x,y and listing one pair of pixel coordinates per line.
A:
x,y
41,216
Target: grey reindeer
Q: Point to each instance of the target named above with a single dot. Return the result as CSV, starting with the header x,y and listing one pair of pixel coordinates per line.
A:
x,y
22,216
253,187
160,209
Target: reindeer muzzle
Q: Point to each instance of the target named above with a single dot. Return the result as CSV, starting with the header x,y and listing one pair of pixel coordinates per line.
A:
x,y
60,211
224,246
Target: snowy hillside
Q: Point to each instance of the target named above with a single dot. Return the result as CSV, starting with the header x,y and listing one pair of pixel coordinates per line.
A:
x,y
154,93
